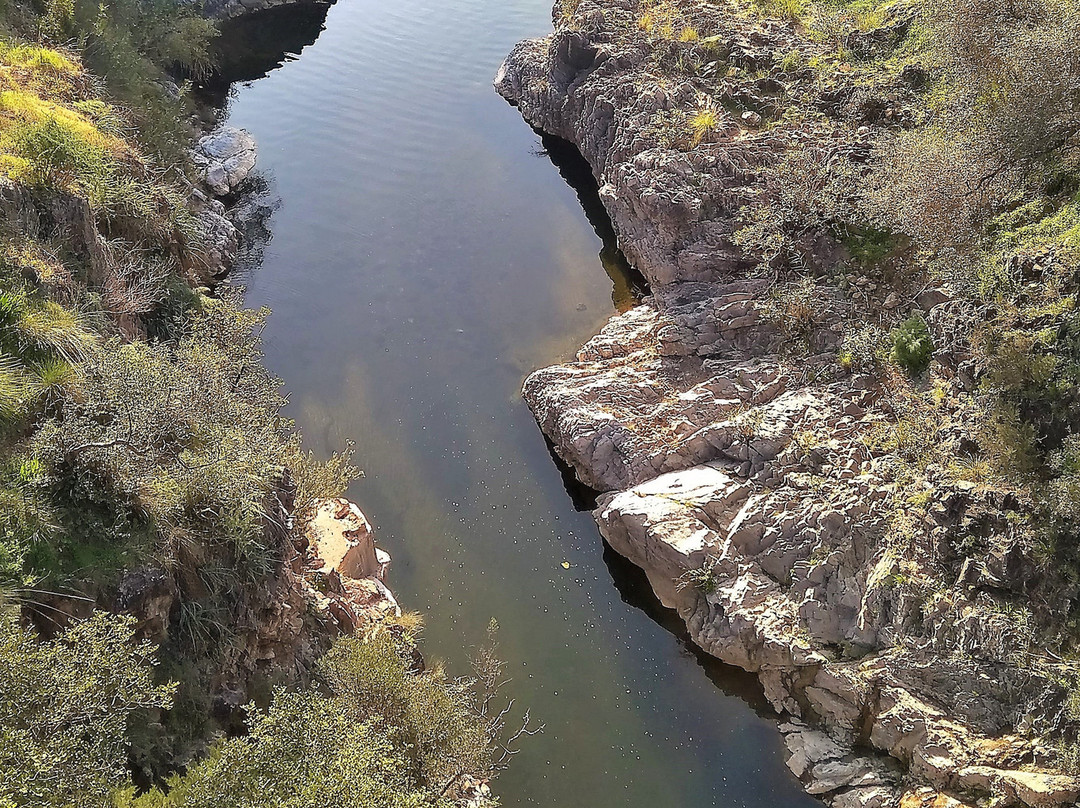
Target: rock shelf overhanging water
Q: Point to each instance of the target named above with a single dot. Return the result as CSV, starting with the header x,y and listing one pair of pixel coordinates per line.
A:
x,y
743,480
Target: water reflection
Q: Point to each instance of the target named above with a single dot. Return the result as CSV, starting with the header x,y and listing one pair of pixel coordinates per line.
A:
x,y
250,47
629,285
421,265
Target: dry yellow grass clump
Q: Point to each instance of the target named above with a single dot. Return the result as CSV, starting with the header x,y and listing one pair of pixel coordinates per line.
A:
x,y
52,131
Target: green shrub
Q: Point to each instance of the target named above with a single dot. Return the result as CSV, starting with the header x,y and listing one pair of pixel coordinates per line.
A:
x,y
26,520
428,716
912,347
181,441
187,436
869,245
64,710
306,752
378,736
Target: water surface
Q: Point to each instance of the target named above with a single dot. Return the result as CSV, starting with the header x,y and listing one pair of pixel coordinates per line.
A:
x,y
426,256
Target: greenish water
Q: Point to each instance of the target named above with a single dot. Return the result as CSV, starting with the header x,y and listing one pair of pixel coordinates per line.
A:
x,y
427,254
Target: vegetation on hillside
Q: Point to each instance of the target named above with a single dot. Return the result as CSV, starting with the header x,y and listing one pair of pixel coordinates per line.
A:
x,y
372,732
140,435
65,710
963,174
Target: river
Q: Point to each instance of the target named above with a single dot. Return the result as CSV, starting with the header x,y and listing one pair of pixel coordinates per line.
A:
x,y
426,255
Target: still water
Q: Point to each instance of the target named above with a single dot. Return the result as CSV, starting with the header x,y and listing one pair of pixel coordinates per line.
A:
x,y
427,254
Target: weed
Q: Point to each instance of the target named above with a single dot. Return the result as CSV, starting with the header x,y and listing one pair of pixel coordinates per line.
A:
x,y
912,346
869,245
792,61
704,124
782,9
702,579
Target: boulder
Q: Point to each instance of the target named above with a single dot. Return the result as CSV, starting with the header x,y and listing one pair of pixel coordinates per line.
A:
x,y
341,536
224,159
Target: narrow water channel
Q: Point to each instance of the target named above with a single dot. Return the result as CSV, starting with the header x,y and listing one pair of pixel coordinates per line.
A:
x,y
426,255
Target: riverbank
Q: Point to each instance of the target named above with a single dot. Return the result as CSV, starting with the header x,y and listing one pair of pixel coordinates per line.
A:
x,y
182,587
769,472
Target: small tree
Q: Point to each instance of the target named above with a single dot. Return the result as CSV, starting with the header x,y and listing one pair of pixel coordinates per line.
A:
x,y
378,734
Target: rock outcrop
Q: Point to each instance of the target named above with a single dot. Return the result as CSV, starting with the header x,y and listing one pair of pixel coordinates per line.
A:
x,y
349,570
217,234
224,159
745,470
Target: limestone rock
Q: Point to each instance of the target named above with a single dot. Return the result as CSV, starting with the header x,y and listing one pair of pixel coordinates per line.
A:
x,y
219,237
224,159
342,537
742,469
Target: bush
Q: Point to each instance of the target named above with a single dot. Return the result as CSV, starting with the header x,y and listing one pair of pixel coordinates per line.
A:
x,y
187,436
377,735
134,45
912,347
380,736
1005,117
146,446
307,752
64,710
1014,71
425,714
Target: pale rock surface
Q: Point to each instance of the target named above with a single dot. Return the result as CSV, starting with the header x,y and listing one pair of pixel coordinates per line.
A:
x,y
224,159
219,236
340,554
747,479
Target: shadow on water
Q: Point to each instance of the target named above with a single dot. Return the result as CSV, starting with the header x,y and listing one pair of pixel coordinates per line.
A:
x,y
630,285
582,497
251,46
634,590
633,587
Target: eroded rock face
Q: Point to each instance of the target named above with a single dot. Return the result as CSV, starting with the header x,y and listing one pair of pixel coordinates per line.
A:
x,y
225,161
218,235
341,536
59,215
750,480
343,557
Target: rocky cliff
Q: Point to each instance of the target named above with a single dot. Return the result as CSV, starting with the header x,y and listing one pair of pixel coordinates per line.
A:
x,y
750,473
